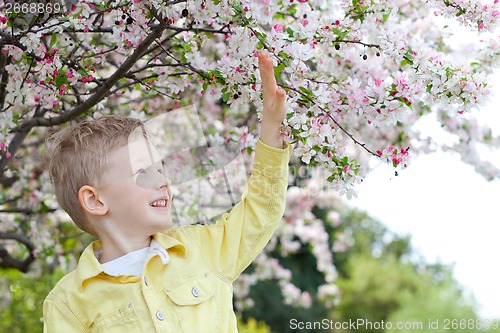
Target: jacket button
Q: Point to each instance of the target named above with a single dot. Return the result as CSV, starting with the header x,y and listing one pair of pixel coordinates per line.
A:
x,y
160,315
195,292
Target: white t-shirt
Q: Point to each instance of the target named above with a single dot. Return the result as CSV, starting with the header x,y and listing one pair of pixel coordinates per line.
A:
x,y
133,262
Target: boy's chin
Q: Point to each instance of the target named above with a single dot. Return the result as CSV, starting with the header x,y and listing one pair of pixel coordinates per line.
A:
x,y
164,225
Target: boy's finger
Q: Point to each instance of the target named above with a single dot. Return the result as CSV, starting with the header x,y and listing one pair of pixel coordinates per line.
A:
x,y
266,71
280,93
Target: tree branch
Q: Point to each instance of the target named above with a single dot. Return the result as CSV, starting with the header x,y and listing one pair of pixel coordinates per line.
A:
x,y
101,92
7,261
326,113
4,76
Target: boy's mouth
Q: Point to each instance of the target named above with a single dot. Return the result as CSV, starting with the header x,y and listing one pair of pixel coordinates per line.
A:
x,y
160,203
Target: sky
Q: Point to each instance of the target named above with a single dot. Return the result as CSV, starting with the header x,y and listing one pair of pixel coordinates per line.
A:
x,y
451,213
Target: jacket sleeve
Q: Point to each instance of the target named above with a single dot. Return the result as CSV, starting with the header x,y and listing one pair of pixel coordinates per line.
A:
x,y
238,237
57,318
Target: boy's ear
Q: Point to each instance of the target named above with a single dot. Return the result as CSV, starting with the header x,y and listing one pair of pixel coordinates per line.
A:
x,y
90,201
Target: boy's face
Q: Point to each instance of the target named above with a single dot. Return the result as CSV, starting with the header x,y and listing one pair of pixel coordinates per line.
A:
x,y
138,195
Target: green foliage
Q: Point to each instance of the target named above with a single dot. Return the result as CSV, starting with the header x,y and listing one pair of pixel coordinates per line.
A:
x,y
21,300
252,326
269,304
380,281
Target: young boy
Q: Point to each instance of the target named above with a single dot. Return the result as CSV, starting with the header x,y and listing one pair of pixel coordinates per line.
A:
x,y
141,275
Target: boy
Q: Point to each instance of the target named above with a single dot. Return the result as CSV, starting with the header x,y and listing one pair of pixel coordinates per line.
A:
x,y
142,275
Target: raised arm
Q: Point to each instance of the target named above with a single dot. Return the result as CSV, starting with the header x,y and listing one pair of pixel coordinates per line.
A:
x,y
274,100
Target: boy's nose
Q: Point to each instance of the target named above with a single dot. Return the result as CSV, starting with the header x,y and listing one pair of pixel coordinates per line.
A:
x,y
163,182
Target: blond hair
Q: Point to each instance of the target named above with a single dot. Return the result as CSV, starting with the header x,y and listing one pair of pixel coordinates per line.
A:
x,y
78,156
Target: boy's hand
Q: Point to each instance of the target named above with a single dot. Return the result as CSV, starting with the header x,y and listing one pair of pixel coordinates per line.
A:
x,y
274,101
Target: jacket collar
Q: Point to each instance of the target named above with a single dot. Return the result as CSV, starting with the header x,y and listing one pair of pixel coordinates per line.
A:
x,y
90,267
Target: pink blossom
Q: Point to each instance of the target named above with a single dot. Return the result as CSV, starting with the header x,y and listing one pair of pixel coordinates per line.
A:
x,y
62,89
396,160
278,28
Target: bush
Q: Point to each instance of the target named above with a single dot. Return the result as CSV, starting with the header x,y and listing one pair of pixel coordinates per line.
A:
x,y
21,300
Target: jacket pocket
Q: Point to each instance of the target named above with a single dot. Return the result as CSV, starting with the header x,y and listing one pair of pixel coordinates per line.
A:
x,y
195,304
122,320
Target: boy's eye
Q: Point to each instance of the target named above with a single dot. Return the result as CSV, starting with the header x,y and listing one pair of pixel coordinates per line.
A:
x,y
140,171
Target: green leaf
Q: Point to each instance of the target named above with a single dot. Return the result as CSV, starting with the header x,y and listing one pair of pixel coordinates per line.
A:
x,y
405,62
53,40
449,72
60,80
306,91
278,69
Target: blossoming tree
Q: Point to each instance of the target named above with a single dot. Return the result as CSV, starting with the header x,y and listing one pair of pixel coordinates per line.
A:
x,y
358,74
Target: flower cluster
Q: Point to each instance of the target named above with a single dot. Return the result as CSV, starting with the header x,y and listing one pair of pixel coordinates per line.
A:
x,y
476,14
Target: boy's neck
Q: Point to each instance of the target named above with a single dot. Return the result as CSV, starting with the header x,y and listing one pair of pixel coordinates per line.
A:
x,y
113,248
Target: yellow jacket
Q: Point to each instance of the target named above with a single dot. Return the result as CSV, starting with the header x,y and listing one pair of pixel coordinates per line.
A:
x,y
192,293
